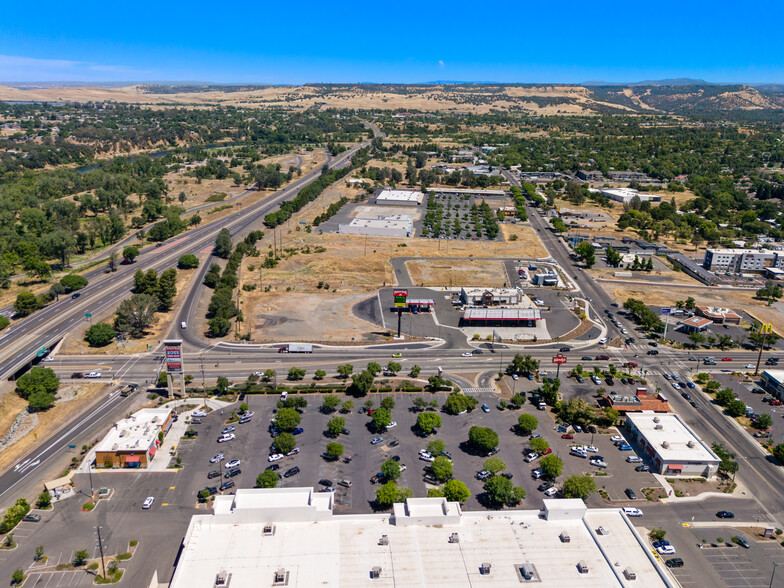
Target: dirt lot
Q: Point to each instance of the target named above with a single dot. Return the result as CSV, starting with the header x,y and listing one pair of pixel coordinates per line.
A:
x,y
74,343
737,299
446,272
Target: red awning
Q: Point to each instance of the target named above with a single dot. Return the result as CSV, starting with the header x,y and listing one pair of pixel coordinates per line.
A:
x,y
133,459
674,467
153,449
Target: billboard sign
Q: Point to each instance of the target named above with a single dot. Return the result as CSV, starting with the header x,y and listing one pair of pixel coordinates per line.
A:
x,y
400,297
173,354
559,359
666,310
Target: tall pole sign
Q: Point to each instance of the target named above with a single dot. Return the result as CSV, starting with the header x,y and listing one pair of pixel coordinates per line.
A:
x,y
400,303
765,330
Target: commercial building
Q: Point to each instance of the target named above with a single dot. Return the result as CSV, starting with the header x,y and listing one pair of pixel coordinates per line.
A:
x,y
501,317
671,445
590,176
470,192
626,195
133,442
545,279
396,225
690,267
641,401
629,176
742,260
773,382
290,537
400,197
774,273
695,324
493,297
720,316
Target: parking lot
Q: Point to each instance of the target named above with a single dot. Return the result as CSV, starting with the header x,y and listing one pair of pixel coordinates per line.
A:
x,y
454,219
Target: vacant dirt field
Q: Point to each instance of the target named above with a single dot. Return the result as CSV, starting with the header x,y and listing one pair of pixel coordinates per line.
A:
x,y
446,272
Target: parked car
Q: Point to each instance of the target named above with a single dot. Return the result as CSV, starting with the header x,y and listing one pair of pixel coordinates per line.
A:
x,y
275,457
227,485
272,467
665,550
298,431
213,474
632,512
376,440
624,447
598,463
228,430
232,464
485,408
148,502
544,486
630,493
567,436
32,518
291,472
536,474
233,472
674,562
739,540
634,459
642,468
550,491
483,475
225,438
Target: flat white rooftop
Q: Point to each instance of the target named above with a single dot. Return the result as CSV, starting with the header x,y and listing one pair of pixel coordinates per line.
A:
x,y
672,439
443,547
412,196
775,375
136,433
397,221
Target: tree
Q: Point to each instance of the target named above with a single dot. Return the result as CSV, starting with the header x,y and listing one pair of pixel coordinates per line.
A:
x,y
549,391
361,383
778,452
551,465
334,450
394,367
167,289
37,268
188,261
329,403
374,368
17,577
527,423
499,489
99,335
319,375
724,397
657,534
456,491
39,552
390,493
558,226
80,557
770,292
538,444
522,365
579,487
26,303
222,385
73,282
483,438
267,479
428,422
345,370
388,402
223,244
415,370
284,442
218,326
130,252
436,383
763,422
724,341
296,373
494,465
40,401
269,374
347,405
613,257
736,408
136,314
696,338
287,419
586,252
441,467
436,447
38,379
690,303
44,500
391,469
336,425
381,417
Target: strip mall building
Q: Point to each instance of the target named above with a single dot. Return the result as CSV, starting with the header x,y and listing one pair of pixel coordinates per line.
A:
x,y
133,442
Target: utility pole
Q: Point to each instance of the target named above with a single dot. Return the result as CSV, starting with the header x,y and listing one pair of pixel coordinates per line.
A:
x,y
100,547
90,473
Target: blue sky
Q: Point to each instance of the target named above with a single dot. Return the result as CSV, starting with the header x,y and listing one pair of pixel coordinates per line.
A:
x,y
305,41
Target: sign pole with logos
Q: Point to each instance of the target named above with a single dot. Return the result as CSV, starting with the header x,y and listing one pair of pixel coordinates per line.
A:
x,y
558,360
666,311
765,330
400,303
174,368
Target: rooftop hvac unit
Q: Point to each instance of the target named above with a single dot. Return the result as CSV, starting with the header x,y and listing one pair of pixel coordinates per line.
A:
x,y
582,566
565,537
690,444
485,569
603,530
269,529
384,540
222,579
454,538
630,574
658,427
281,577
666,444
656,419
375,572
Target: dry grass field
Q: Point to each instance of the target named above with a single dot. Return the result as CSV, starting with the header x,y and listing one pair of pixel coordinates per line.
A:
x,y
448,272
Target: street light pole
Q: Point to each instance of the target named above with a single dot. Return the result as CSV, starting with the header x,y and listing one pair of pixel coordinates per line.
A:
x,y
100,547
773,573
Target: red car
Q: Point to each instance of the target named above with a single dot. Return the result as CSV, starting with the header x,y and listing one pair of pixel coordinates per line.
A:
x,y
726,359
547,451
601,357
567,436
630,364
775,402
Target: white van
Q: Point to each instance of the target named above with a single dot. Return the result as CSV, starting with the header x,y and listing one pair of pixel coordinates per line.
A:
x,y
183,325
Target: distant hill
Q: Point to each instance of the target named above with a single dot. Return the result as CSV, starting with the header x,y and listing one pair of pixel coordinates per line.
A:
x,y
672,82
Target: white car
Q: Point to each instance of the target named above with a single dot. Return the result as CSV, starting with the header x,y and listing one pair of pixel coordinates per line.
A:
x,y
748,366
232,464
424,452
392,425
632,512
598,463
603,340
49,358
148,502
225,438
550,491
624,331
515,377
467,354
591,449
275,457
198,413
676,385
217,458
666,550
616,439
294,451
426,457
93,375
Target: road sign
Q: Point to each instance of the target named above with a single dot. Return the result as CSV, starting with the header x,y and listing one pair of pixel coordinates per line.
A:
x,y
400,297
666,310
87,315
559,359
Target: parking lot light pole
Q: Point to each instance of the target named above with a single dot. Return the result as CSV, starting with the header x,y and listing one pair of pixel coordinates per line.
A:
x,y
773,573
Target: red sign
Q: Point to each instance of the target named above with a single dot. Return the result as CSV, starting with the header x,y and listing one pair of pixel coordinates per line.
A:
x,y
173,356
559,359
400,297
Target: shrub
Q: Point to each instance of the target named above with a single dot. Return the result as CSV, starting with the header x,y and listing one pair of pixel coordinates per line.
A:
x,y
188,261
13,515
100,335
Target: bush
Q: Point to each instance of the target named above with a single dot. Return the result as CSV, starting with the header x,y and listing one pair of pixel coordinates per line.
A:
x,y
80,557
44,500
267,479
13,515
38,379
18,576
188,261
73,282
100,335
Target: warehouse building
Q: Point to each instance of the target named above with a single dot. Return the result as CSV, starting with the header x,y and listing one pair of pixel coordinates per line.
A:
x,y
626,195
673,448
290,537
400,197
396,225
133,442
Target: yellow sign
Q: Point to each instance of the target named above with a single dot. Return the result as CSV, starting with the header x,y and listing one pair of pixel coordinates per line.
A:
x,y
766,329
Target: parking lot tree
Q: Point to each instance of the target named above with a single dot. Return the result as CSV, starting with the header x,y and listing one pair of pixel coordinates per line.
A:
x,y
576,412
456,491
267,479
361,383
763,422
394,367
657,534
419,403
586,252
130,252
388,402
284,443
188,261
527,423
702,378
500,490
456,403
549,391
433,405
778,452
736,408
244,407
374,368
522,364
44,500
723,342
298,402
345,370
369,404
38,379
347,406
391,469
724,396
381,417
389,493
414,372
551,465
17,577
579,487
336,425
436,383
334,450
494,465
441,467
435,492
319,374
712,386
538,444
436,447
517,400
203,495
287,419
329,403
80,557
428,422
483,438
296,373
39,552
